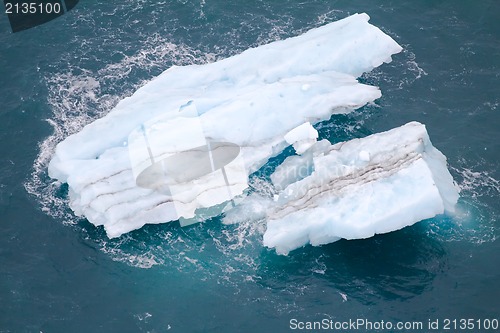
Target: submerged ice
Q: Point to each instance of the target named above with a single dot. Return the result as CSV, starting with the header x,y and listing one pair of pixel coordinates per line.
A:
x,y
182,146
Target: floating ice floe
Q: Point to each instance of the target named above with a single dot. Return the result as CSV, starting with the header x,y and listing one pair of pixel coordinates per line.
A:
x,y
359,188
182,146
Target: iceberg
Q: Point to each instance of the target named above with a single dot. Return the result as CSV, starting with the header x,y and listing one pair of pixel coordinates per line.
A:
x,y
359,188
183,145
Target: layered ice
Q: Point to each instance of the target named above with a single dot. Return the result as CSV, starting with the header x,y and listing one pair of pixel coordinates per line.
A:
x,y
183,145
359,188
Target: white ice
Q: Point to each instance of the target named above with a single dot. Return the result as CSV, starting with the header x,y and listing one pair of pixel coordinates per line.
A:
x,y
359,188
302,137
244,105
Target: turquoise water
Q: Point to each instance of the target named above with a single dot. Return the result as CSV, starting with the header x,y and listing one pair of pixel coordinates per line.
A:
x,y
59,273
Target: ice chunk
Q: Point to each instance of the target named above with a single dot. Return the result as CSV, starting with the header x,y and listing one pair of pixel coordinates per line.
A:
x,y
302,137
250,101
360,188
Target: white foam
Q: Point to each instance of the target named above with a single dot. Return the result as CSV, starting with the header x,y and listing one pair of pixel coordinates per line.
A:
x,y
302,137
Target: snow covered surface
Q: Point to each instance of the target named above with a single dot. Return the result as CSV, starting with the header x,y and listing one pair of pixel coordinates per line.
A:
x,y
359,188
232,115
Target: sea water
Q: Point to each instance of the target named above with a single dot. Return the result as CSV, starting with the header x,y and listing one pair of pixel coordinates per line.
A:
x,y
59,273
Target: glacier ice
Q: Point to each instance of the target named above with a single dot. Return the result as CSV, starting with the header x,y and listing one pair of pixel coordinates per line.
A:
x,y
242,107
183,146
359,188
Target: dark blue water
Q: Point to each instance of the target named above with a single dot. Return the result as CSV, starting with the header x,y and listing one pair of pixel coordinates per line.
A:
x,y
61,274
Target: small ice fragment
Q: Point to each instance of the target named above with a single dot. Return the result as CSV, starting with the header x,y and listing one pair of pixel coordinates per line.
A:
x,y
302,137
302,132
